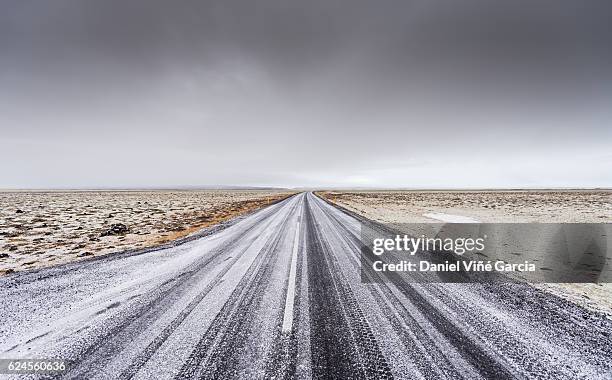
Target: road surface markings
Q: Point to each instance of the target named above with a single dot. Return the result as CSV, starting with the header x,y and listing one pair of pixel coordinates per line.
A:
x,y
288,317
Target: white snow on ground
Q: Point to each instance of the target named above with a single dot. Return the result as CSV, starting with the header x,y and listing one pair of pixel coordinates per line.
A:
x,y
449,218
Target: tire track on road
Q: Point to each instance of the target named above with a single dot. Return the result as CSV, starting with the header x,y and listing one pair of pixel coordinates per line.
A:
x,y
429,359
214,356
342,342
282,362
477,356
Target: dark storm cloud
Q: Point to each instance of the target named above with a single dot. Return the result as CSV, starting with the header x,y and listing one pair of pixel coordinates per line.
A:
x,y
311,92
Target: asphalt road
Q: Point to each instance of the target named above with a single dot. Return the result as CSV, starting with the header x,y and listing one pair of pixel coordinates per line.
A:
x,y
278,295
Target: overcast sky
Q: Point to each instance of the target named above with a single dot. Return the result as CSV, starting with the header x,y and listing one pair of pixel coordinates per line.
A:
x,y
389,93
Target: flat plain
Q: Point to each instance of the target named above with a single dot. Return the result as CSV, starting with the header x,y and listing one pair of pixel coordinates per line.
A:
x,y
518,206
44,228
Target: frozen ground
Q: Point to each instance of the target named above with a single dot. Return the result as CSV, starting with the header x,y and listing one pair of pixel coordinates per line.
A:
x,y
39,229
534,206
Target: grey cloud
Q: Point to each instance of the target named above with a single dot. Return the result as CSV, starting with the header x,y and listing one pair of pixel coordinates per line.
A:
x,y
305,93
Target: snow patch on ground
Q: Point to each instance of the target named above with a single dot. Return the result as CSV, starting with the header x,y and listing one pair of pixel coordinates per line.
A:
x,y
449,218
